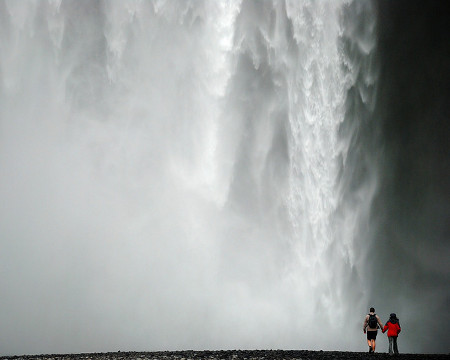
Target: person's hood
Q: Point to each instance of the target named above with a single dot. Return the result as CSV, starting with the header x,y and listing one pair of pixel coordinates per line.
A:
x,y
393,318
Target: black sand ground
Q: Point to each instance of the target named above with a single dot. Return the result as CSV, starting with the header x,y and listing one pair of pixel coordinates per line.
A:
x,y
232,355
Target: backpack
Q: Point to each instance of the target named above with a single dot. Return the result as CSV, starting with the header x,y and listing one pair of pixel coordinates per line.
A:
x,y
373,322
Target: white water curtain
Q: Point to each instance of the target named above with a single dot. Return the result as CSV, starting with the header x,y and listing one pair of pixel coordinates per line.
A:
x,y
172,174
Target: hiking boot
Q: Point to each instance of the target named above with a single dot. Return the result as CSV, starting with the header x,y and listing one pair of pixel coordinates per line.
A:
x,y
370,349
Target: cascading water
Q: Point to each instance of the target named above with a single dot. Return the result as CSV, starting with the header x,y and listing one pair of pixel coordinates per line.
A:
x,y
179,174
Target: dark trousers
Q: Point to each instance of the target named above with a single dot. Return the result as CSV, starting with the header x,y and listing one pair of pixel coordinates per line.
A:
x,y
393,349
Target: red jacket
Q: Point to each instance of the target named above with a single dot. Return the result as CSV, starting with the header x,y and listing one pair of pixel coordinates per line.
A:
x,y
393,329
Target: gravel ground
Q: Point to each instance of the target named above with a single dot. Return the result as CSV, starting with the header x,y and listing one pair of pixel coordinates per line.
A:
x,y
230,355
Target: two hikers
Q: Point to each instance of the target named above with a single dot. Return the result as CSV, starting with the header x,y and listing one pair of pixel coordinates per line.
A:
x,y
371,324
393,328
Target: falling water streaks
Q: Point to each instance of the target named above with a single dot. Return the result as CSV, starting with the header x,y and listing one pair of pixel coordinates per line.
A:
x,y
176,164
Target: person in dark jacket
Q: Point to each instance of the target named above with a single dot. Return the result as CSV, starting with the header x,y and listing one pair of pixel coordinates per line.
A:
x,y
393,328
372,328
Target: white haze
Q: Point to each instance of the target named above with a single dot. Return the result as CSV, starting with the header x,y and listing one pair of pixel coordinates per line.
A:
x,y
169,177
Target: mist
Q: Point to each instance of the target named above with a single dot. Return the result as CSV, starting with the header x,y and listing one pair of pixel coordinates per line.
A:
x,y
221,175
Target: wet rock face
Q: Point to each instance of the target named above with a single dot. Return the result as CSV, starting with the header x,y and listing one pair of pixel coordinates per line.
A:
x,y
231,355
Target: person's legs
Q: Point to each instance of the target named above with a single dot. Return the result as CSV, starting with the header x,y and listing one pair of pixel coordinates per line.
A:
x,y
391,341
374,337
369,341
394,340
371,336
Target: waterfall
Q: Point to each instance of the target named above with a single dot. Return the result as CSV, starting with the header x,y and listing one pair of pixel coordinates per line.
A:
x,y
185,174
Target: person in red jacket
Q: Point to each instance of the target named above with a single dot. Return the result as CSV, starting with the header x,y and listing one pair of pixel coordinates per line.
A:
x,y
393,328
